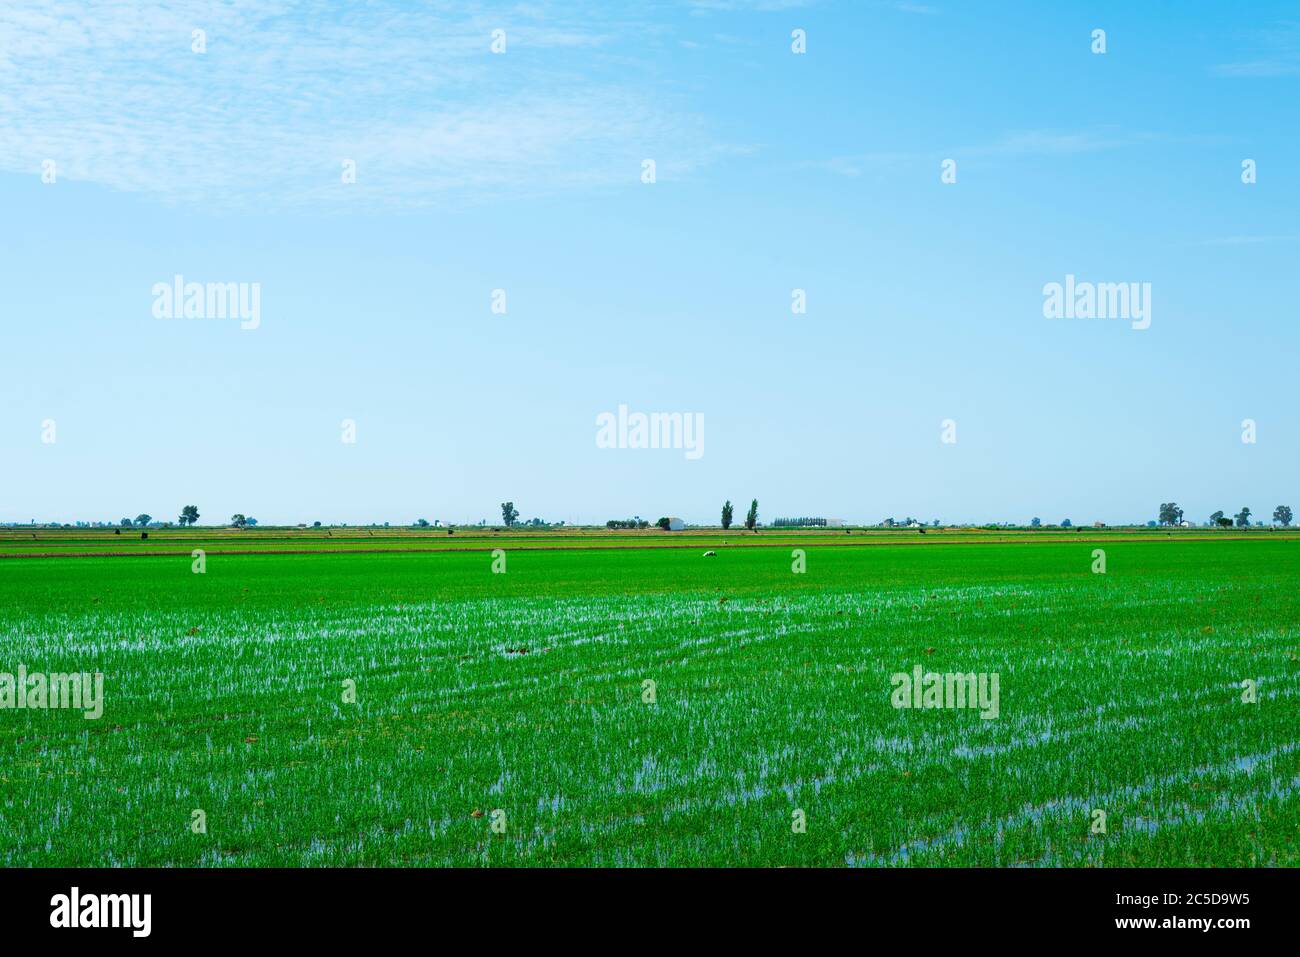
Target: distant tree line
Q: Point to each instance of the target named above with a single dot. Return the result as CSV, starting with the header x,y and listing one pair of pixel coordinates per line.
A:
x,y
636,522
1171,514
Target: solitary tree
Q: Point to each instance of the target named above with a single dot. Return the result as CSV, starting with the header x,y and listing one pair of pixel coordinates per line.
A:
x,y
422,522
142,519
509,513
126,523
663,523
189,515
1035,522
1243,517
752,518
1282,514
238,520
1217,518
1170,513
726,514
1066,523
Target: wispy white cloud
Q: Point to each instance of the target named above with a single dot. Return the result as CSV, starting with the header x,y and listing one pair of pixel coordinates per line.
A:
x,y
112,91
1273,51
1047,142
704,6
1276,67
1011,144
1247,240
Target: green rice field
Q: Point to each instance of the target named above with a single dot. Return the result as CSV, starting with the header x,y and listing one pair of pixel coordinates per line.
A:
x,y
630,705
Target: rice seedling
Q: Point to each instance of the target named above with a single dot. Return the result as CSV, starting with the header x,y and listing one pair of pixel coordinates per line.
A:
x,y
644,707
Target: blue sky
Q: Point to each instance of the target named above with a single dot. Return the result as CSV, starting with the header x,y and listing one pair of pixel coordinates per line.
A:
x,y
521,171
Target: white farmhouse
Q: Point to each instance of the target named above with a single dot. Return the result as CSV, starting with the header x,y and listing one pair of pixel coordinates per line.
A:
x,y
675,524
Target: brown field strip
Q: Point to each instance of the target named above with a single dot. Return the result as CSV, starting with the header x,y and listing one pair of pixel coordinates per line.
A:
x,y
753,542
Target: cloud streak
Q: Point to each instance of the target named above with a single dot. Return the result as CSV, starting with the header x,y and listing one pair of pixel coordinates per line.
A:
x,y
1275,52
1016,143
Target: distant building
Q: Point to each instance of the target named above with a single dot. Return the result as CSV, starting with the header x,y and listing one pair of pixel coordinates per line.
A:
x,y
675,524
834,523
